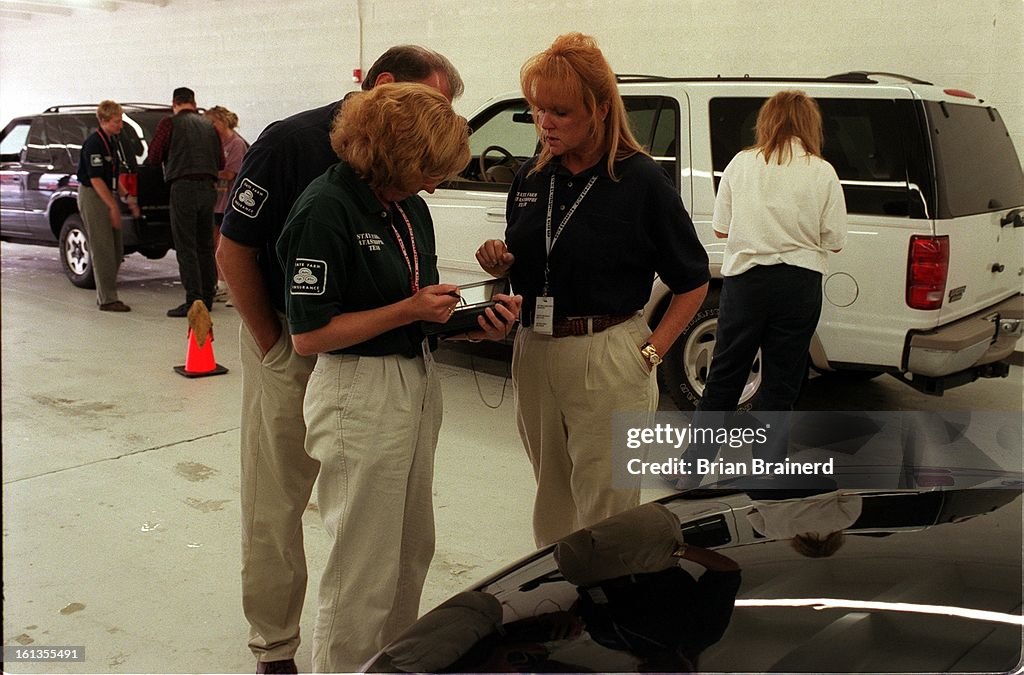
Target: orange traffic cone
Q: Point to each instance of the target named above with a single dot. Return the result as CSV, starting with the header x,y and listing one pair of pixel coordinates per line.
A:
x,y
199,361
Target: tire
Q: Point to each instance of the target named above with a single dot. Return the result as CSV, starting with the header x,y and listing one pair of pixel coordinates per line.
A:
x,y
74,252
684,373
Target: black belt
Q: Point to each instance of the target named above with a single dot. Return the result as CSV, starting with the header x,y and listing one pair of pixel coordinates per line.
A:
x,y
588,325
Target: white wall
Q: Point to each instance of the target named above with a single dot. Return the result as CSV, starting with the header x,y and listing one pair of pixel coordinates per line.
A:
x,y
267,59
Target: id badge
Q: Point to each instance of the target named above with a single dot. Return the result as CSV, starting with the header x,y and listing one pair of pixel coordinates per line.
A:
x,y
544,315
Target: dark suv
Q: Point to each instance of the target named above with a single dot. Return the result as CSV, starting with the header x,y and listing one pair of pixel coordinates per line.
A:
x,y
38,177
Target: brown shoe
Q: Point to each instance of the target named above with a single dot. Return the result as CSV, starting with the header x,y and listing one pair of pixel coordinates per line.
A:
x,y
115,306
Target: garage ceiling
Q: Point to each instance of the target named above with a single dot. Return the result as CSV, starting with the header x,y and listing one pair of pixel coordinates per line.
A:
x,y
27,9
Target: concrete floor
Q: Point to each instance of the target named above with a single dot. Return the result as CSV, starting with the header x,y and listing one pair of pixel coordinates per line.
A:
x,y
120,477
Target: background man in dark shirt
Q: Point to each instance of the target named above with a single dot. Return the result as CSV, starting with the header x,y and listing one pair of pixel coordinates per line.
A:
x,y
189,148
277,475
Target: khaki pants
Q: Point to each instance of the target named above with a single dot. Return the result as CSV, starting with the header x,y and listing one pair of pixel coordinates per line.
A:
x,y
105,247
566,391
277,479
373,423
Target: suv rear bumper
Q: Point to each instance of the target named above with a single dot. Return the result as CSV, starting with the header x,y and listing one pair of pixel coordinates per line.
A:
x,y
151,232
980,339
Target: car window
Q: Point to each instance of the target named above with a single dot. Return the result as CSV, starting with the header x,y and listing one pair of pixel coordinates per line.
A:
x,y
56,141
37,151
75,128
866,142
509,126
655,124
139,129
977,168
131,146
13,141
503,137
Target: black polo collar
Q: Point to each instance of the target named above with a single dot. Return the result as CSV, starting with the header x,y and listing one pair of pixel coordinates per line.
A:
x,y
555,167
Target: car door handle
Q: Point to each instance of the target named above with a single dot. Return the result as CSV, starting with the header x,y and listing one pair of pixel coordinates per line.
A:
x,y
496,214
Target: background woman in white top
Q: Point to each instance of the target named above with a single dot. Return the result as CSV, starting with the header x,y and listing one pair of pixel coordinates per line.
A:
x,y
782,210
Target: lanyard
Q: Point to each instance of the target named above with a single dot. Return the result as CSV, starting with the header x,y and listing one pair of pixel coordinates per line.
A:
x,y
548,238
413,264
106,143
113,160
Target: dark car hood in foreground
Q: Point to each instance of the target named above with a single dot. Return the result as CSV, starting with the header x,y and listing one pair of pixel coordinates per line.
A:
x,y
927,581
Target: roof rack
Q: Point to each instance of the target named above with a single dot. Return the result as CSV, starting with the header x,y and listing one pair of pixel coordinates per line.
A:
x,y
870,77
852,77
91,107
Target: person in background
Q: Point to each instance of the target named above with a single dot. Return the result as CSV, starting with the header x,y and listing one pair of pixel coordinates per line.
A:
x,y
225,122
277,475
188,147
590,221
781,210
98,168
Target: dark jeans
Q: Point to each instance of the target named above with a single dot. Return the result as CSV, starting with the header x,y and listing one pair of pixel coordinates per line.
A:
x,y
774,308
192,204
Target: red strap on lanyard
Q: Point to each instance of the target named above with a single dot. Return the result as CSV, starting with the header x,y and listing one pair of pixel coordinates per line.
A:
x,y
413,263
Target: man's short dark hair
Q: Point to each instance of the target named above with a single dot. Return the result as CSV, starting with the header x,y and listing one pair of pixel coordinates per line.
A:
x,y
412,63
183,95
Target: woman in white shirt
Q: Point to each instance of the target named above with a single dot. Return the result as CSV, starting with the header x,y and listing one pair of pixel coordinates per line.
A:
x,y
781,209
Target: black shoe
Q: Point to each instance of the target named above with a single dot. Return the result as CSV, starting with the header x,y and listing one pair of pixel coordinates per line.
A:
x,y
180,311
287,666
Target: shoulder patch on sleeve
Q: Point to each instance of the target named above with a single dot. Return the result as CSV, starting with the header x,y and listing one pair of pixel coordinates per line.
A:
x,y
308,277
249,198
96,160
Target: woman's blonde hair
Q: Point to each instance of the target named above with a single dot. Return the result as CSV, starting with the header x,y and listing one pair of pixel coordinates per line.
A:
x,y
787,115
573,66
219,112
107,110
400,136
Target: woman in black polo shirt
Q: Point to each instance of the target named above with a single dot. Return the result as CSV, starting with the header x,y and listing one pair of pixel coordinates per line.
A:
x,y
361,274
590,220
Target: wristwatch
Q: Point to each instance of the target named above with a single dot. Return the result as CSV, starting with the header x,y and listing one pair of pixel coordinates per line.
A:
x,y
651,354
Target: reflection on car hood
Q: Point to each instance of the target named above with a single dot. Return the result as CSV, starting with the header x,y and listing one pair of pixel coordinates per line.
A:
x,y
925,581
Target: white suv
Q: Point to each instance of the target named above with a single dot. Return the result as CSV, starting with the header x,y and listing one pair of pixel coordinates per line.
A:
x,y
929,285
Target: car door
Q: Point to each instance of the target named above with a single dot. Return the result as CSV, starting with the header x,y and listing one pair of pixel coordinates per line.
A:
x,y
980,205
12,203
37,180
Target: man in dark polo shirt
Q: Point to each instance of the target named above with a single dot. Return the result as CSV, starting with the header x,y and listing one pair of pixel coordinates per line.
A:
x,y
189,148
277,475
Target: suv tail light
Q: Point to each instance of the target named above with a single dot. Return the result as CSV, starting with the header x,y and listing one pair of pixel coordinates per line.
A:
x,y
927,269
